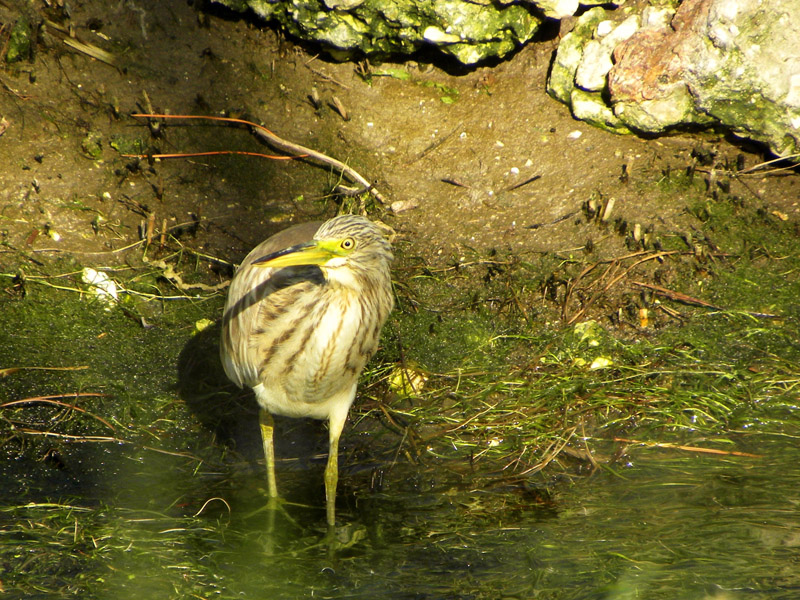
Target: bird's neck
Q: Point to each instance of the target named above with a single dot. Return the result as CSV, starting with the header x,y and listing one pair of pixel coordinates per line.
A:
x,y
355,279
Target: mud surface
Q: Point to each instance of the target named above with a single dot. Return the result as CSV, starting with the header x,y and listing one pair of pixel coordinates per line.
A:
x,y
457,144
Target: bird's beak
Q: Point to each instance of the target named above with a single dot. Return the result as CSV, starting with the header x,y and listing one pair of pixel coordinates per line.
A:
x,y
315,252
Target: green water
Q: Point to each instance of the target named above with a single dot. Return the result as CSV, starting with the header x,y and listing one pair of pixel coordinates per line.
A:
x,y
666,525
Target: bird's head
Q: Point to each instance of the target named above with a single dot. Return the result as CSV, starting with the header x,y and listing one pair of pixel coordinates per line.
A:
x,y
343,247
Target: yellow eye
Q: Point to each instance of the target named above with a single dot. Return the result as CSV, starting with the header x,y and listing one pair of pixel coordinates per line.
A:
x,y
348,244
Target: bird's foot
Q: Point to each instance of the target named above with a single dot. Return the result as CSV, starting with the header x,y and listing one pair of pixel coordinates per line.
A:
x,y
346,536
275,505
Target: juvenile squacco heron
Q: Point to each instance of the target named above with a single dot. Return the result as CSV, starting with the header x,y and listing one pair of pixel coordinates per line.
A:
x,y
303,316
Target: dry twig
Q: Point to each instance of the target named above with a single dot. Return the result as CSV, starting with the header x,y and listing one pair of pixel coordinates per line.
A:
x,y
273,140
686,448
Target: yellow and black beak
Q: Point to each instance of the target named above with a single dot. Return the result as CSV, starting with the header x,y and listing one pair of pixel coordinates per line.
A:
x,y
315,252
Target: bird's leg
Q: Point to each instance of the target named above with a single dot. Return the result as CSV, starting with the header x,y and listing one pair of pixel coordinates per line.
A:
x,y
267,434
335,426
332,478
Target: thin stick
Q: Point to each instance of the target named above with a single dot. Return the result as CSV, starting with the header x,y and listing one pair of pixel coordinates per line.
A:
x,y
283,145
677,296
104,439
769,162
10,370
616,279
213,153
687,448
92,51
52,400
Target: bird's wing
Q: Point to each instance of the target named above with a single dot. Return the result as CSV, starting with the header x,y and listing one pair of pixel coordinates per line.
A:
x,y
249,286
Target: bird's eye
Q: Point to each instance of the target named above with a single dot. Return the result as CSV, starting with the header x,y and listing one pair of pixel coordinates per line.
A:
x,y
348,244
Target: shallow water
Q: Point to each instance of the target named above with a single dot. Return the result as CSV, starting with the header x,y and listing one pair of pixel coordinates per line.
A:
x,y
669,524
668,527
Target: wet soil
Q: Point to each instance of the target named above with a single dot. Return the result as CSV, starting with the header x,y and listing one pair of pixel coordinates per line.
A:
x,y
485,157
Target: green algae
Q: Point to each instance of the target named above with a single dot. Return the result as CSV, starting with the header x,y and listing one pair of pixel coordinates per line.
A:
x,y
151,484
19,42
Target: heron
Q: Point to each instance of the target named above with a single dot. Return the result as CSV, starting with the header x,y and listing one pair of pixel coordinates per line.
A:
x,y
303,316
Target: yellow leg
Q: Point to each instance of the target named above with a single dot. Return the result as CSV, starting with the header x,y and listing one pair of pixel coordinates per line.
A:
x,y
332,478
267,434
336,420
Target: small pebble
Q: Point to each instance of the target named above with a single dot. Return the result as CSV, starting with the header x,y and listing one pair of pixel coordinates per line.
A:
x,y
403,205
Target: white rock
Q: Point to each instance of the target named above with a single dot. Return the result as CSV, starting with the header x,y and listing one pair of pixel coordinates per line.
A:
x,y
596,61
103,286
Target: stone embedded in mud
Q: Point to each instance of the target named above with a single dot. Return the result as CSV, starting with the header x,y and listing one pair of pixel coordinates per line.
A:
x,y
19,42
647,84
342,4
558,9
596,62
92,145
590,107
734,63
561,81
587,104
469,31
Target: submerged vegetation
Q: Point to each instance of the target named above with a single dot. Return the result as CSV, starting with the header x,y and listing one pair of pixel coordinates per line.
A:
x,y
127,452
